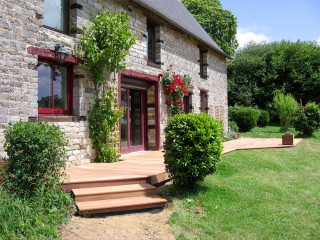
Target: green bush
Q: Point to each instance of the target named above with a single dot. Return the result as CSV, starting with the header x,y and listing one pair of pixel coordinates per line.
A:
x,y
193,147
264,118
246,118
308,119
232,111
36,153
233,126
286,107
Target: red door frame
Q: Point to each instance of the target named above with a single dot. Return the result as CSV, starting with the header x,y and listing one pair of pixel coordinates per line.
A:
x,y
154,79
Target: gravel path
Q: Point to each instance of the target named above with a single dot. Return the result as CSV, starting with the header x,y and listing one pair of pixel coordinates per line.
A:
x,y
125,227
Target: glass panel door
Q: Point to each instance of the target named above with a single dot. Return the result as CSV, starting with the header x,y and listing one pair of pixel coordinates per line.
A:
x,y
135,118
132,121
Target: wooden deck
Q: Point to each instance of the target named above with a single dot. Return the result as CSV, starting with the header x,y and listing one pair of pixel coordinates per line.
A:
x,y
129,184
149,164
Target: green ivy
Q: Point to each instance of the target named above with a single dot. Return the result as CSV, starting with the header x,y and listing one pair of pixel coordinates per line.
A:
x,y
104,46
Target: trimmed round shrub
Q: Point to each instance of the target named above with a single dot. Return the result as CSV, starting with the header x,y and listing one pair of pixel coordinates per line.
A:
x,y
246,118
193,147
264,118
307,119
36,154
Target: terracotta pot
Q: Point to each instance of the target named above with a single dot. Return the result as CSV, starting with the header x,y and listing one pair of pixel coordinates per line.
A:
x,y
287,139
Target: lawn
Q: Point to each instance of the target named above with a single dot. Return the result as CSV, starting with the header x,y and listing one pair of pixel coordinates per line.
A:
x,y
256,194
266,132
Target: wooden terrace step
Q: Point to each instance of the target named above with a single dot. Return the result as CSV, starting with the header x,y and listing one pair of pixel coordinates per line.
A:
x,y
121,204
111,192
93,183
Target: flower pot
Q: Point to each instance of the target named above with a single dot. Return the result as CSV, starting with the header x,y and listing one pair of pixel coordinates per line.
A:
x,y
287,139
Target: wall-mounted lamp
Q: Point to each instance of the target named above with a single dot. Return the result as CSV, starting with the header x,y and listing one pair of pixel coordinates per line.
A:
x,y
61,53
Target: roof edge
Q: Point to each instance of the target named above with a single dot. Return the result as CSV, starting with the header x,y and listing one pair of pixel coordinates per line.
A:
x,y
182,28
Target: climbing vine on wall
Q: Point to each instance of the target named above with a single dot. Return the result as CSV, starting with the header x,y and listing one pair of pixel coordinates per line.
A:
x,y
105,44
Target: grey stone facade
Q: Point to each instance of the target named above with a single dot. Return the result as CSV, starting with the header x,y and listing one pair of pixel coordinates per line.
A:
x,y
21,27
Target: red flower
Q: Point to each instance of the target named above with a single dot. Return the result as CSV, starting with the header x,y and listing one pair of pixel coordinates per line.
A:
x,y
160,75
171,65
168,91
177,100
181,104
172,86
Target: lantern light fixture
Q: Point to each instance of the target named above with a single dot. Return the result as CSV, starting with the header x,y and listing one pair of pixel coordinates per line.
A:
x,y
61,53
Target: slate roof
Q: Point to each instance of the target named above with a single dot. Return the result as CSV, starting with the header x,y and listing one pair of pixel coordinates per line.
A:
x,y
178,15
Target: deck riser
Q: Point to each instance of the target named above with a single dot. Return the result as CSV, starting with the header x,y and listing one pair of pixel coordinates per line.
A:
x,y
96,197
122,209
68,187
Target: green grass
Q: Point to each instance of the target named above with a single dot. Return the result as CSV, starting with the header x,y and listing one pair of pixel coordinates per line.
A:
x,y
256,194
267,132
36,218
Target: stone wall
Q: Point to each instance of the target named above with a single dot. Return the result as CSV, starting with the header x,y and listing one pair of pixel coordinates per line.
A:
x,y
21,27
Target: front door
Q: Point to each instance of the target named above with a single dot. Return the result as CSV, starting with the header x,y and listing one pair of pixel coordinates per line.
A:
x,y
133,120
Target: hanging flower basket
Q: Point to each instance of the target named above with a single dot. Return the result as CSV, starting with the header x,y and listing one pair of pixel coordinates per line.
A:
x,y
175,87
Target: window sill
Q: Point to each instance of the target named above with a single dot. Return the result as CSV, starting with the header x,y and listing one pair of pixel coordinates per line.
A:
x,y
56,30
48,118
153,64
204,77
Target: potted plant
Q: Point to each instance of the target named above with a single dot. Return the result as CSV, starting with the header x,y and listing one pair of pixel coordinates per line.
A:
x,y
287,138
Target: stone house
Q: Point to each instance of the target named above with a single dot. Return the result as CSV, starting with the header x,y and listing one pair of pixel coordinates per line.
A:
x,y
36,86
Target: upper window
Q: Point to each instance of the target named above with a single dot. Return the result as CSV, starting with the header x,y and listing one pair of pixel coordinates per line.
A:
x,y
203,63
56,14
54,88
151,40
153,45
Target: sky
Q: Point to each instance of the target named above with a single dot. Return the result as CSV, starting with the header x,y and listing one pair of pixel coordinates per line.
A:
x,y
275,20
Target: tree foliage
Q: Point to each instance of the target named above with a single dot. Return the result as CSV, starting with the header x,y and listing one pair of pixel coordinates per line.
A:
x,y
105,44
259,70
219,23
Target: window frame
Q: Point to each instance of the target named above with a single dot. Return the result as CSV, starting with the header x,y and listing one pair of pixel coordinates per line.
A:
x,y
204,107
203,62
52,111
153,36
187,103
67,20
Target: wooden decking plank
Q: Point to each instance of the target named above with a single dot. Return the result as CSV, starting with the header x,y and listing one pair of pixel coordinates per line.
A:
x,y
116,204
112,189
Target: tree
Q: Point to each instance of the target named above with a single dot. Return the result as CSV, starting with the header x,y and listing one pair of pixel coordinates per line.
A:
x,y
105,44
220,24
286,107
259,70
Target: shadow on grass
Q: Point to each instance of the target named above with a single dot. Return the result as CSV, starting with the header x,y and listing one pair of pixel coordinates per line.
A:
x,y
171,191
